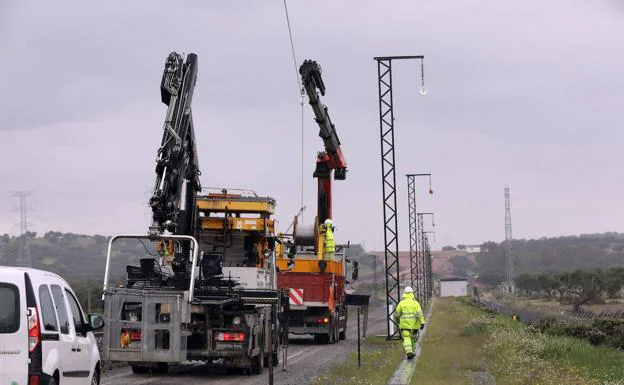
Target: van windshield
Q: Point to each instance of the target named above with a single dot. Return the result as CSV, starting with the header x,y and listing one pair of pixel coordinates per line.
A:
x,y
9,308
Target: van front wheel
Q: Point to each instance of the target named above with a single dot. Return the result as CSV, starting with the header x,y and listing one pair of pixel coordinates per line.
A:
x,y
96,378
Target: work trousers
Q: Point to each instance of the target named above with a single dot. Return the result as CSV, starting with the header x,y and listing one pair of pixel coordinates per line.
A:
x,y
409,339
328,255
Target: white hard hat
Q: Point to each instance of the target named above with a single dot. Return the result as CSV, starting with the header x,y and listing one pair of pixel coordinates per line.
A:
x,y
408,289
328,221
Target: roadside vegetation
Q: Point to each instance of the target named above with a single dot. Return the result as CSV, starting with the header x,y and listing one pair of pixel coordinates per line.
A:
x,y
379,359
465,344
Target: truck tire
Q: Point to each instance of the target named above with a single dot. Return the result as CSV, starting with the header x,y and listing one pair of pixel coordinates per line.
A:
x,y
334,330
321,339
275,360
343,334
139,369
257,363
162,368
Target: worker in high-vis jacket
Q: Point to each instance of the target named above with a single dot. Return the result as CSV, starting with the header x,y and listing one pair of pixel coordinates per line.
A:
x,y
410,318
329,246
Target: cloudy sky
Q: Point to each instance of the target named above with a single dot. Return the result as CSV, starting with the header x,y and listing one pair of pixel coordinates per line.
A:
x,y
528,93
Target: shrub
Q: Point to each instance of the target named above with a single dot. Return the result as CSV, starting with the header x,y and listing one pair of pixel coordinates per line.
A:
x,y
600,332
476,326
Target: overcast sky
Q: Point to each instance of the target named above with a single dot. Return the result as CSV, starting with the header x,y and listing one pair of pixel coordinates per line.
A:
x,y
528,93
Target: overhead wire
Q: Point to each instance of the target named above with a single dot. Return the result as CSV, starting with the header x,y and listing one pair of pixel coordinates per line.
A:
x,y
301,95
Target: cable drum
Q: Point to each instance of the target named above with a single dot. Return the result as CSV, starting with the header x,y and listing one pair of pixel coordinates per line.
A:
x,y
304,235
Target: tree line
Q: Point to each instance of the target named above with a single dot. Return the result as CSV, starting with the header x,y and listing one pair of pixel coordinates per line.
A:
x,y
550,255
578,287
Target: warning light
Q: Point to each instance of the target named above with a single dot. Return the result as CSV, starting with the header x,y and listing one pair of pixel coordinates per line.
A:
x,y
165,248
124,339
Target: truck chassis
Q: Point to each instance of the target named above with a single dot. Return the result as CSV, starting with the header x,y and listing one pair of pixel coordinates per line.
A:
x,y
162,327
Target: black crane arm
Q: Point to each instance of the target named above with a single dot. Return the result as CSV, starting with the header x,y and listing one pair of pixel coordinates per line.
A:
x,y
177,171
312,80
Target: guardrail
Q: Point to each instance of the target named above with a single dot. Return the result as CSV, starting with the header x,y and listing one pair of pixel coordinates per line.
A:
x,y
592,314
568,316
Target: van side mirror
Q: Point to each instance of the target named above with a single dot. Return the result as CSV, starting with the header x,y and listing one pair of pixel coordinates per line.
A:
x,y
96,322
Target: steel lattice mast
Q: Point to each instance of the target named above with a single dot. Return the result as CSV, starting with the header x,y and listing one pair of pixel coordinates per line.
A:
x,y
508,237
411,201
415,272
23,251
421,286
428,269
386,129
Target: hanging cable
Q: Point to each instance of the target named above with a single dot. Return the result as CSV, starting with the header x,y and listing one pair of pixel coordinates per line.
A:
x,y
301,95
292,46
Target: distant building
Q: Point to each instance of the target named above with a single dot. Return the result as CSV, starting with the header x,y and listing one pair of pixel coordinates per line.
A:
x,y
453,287
473,248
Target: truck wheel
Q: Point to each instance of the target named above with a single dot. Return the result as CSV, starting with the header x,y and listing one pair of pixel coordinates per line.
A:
x,y
275,360
139,369
321,338
343,334
258,362
334,330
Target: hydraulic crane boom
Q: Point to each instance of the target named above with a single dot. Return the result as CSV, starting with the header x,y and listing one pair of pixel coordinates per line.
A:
x,y
173,202
332,158
217,298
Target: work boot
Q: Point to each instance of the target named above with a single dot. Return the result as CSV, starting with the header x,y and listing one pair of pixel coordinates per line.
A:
x,y
410,356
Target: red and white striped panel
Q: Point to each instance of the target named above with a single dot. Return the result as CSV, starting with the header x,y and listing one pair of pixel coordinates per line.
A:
x,y
295,296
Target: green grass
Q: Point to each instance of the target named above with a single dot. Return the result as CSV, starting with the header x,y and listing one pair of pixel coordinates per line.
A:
x,y
379,359
522,354
466,345
452,344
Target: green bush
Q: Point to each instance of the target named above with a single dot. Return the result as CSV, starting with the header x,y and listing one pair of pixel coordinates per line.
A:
x,y
613,330
601,332
596,337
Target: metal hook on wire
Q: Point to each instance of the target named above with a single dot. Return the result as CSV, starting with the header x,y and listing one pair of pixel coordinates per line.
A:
x,y
423,89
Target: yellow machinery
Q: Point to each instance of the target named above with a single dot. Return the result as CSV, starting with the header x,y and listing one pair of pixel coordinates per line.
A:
x,y
240,223
307,260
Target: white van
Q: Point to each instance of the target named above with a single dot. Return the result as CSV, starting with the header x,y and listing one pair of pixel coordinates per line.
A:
x,y
45,338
